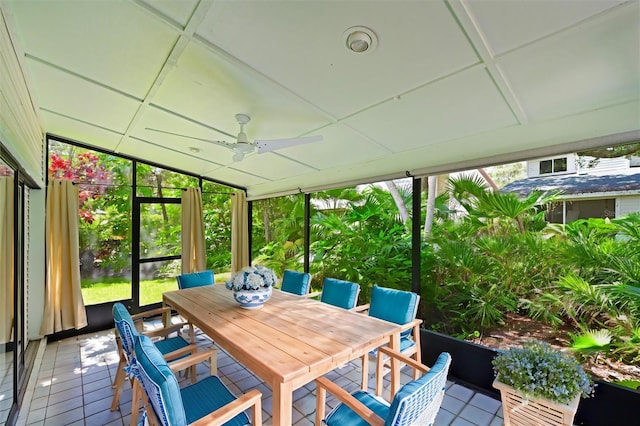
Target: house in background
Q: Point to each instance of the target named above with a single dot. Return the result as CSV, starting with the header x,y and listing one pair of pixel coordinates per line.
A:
x,y
590,188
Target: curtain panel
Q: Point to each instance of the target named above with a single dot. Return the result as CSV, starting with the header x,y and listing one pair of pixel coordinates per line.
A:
x,y
193,249
6,258
64,306
239,232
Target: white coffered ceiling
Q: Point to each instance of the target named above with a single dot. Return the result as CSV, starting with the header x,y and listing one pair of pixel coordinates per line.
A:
x,y
450,84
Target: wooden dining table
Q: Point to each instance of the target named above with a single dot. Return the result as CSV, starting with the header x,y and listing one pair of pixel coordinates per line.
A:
x,y
288,342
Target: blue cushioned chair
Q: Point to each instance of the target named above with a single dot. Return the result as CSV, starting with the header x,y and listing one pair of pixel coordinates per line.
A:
x,y
416,403
195,279
399,307
208,401
343,294
296,282
129,327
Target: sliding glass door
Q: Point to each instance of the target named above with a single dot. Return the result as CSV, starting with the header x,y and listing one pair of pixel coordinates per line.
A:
x,y
7,289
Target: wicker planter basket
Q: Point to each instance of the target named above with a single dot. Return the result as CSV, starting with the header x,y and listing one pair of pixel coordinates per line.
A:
x,y
520,410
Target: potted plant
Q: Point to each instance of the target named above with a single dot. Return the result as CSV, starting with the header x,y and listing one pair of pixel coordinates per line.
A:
x,y
539,385
252,286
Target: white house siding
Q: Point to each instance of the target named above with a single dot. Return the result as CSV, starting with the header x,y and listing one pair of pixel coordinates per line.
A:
x,y
627,204
610,166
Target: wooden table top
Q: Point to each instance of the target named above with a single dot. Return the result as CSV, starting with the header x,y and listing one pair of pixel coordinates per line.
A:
x,y
290,339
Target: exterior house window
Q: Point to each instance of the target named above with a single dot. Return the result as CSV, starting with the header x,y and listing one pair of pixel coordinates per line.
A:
x,y
634,161
556,165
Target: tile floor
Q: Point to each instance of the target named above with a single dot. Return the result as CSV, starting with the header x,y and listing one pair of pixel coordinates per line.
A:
x,y
73,387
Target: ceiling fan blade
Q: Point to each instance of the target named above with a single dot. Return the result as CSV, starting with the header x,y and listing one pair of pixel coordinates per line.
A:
x,y
219,143
273,144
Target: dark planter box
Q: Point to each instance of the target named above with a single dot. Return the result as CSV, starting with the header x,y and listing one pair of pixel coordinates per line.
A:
x,y
471,366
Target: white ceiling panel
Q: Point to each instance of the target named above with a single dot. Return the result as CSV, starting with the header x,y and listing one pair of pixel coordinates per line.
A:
x,y
230,175
588,67
177,11
451,108
79,131
158,120
341,146
75,97
211,90
114,43
174,158
457,83
271,166
301,43
510,24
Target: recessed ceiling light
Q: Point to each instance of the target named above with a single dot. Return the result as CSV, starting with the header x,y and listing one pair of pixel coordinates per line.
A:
x,y
360,39
194,149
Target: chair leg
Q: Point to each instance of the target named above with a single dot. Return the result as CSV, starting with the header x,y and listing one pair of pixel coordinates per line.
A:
x,y
380,373
416,372
213,363
117,385
194,374
135,402
121,364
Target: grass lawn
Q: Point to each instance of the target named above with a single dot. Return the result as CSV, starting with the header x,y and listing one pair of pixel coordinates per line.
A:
x,y
110,289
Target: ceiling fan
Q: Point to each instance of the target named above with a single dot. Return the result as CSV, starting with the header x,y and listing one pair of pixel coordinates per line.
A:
x,y
243,146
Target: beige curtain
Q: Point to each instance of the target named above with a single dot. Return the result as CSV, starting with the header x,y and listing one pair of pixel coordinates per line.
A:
x,y
193,252
239,232
64,307
6,258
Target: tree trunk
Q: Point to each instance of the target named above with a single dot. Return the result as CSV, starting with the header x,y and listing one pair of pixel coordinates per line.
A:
x,y
267,223
402,208
431,204
486,177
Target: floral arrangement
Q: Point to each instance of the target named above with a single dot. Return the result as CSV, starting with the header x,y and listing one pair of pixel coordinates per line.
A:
x,y
252,278
539,370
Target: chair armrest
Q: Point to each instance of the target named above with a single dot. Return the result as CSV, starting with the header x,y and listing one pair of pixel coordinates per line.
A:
x,y
361,308
151,313
196,357
313,294
253,398
345,397
164,331
405,359
412,324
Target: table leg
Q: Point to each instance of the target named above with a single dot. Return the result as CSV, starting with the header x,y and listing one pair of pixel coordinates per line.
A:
x,y
282,404
394,344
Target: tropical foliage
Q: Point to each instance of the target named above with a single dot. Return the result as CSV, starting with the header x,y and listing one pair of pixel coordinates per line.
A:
x,y
488,254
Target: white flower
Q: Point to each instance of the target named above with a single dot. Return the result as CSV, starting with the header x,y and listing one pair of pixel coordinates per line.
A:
x,y
252,278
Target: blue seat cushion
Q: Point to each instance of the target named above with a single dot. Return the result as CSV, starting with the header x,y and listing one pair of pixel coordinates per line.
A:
x,y
171,344
339,293
342,415
207,395
393,305
159,383
195,279
295,282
